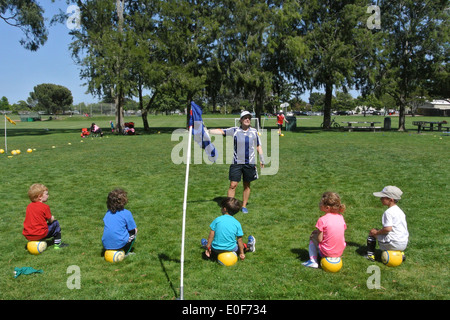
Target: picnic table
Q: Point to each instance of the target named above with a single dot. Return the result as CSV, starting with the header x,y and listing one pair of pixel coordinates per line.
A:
x,y
350,125
431,125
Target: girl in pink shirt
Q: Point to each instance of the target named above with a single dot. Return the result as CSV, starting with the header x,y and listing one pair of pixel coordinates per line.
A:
x,y
328,239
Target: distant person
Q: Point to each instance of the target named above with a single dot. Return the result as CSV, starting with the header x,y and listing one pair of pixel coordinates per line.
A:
x,y
328,239
280,119
246,141
120,230
96,129
226,232
394,234
39,222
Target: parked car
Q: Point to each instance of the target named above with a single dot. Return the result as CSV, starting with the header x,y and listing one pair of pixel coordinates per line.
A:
x,y
300,113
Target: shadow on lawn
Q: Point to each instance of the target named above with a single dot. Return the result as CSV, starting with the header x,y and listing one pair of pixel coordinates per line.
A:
x,y
16,132
39,132
303,254
163,257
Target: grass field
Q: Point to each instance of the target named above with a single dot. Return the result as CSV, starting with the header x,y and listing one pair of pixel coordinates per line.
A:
x,y
283,211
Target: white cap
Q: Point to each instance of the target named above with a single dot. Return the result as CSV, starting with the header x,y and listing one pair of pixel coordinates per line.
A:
x,y
245,113
390,192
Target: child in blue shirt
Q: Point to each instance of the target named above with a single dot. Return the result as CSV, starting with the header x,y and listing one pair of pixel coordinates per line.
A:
x,y
120,230
226,232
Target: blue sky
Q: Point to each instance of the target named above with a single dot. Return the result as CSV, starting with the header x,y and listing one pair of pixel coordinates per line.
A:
x,y
21,69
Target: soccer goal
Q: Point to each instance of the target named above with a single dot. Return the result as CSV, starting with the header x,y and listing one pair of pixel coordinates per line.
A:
x,y
254,122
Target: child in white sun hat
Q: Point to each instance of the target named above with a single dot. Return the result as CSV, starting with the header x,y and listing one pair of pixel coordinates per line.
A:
x,y
394,234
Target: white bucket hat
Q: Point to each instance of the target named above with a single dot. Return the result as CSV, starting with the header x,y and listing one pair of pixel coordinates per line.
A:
x,y
390,192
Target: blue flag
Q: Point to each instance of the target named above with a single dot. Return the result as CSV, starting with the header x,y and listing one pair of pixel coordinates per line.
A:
x,y
199,133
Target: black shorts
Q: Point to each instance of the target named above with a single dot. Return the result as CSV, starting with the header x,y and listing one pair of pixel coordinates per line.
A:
x,y
248,171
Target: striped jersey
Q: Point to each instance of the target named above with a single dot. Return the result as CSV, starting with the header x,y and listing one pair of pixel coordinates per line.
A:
x,y
245,143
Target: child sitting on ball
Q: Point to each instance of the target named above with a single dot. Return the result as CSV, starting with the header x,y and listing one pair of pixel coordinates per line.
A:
x,y
120,230
226,232
328,239
394,234
39,222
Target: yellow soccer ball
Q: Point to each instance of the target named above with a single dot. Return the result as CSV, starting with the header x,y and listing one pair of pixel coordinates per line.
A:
x,y
227,258
2,151
18,151
29,150
114,255
14,152
392,258
330,264
36,247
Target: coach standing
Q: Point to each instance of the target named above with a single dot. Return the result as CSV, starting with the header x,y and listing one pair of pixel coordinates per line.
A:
x,y
246,141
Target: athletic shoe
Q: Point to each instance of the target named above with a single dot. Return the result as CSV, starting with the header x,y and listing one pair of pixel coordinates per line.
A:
x,y
244,210
204,243
311,264
370,257
60,245
251,244
403,257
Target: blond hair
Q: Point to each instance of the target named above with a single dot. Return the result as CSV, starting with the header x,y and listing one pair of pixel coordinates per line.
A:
x,y
332,200
35,191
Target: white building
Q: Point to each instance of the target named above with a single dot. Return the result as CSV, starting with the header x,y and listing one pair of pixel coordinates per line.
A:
x,y
435,108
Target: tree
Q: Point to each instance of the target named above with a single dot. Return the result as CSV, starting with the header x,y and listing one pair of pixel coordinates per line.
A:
x,y
343,101
317,100
414,51
51,97
26,15
101,47
339,46
4,104
256,44
146,70
439,85
185,38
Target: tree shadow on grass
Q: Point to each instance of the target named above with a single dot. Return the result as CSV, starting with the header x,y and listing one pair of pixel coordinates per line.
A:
x,y
16,132
39,132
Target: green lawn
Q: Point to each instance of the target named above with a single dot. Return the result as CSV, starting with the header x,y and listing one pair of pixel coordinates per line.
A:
x,y
283,211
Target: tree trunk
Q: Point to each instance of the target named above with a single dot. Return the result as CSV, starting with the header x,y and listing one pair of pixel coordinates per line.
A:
x,y
327,107
401,117
259,102
118,99
119,94
146,110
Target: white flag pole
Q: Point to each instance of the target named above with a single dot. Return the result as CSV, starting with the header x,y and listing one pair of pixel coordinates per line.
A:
x,y
188,161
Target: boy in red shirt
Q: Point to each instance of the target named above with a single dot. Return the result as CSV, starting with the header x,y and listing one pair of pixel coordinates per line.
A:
x,y
39,223
280,119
